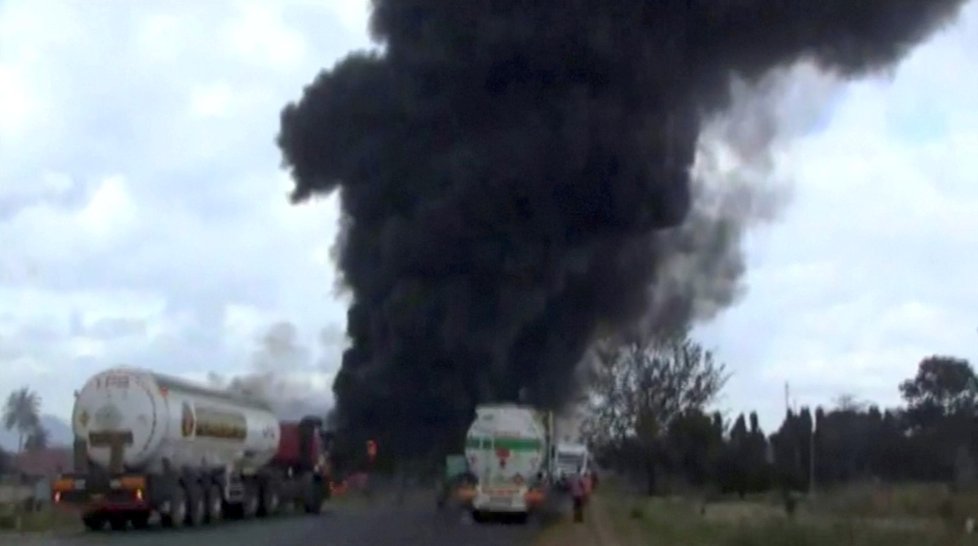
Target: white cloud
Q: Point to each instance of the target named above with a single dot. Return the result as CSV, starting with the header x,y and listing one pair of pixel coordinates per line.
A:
x,y
143,215
353,14
258,34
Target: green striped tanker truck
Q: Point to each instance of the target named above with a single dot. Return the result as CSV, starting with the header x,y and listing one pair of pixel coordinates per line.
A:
x,y
508,452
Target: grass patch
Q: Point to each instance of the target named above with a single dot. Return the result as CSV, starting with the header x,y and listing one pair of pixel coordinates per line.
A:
x,y
38,521
913,515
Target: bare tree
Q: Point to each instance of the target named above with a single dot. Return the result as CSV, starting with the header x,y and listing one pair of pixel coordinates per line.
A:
x,y
639,388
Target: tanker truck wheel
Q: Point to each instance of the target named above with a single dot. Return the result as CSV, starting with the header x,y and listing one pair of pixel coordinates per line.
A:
x,y
215,504
314,498
250,504
94,522
140,520
177,516
269,501
118,522
197,506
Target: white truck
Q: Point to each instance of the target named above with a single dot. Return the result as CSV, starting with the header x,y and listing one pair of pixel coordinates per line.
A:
x,y
146,444
508,450
571,459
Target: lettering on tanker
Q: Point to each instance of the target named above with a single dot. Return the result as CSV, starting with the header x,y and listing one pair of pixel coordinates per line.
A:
x,y
206,422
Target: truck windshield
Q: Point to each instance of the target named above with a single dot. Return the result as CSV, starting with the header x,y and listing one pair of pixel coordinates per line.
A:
x,y
568,460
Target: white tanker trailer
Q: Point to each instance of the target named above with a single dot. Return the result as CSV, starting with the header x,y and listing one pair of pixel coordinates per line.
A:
x,y
146,443
509,453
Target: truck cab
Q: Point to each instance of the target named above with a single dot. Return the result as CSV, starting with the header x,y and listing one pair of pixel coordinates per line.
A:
x,y
571,459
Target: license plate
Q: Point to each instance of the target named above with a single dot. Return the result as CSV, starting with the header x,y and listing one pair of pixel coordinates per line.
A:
x,y
79,484
500,500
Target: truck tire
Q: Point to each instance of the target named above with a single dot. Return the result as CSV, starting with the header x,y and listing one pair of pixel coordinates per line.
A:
x,y
314,498
140,520
118,522
177,516
196,506
250,503
215,504
269,501
94,522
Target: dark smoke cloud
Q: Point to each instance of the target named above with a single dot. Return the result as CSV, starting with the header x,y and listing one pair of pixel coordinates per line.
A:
x,y
280,372
518,177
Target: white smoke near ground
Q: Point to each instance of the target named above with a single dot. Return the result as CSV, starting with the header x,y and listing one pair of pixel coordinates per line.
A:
x,y
286,375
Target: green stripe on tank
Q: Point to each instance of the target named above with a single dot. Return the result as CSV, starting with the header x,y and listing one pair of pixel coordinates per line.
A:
x,y
512,444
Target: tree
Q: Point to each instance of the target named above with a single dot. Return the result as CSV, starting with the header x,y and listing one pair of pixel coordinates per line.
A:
x,y
22,413
849,402
695,444
640,388
942,399
744,467
944,386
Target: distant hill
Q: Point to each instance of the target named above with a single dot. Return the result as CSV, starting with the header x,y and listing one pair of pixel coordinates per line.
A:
x,y
59,433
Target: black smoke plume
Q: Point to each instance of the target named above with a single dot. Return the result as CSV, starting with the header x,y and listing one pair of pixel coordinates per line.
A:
x,y
516,178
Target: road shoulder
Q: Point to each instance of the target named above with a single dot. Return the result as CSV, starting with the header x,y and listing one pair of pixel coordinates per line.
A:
x,y
597,529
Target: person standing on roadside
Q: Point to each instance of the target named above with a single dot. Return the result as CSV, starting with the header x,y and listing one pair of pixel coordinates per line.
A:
x,y
577,493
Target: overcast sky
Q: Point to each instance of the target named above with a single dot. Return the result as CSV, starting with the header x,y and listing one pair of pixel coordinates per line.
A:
x,y
144,219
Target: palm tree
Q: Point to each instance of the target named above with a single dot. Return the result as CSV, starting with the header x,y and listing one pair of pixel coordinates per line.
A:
x,y
22,412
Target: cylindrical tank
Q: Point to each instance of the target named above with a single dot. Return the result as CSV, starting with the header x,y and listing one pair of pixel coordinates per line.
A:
x,y
506,444
157,417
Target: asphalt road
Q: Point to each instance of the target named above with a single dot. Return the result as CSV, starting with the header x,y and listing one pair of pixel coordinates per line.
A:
x,y
337,526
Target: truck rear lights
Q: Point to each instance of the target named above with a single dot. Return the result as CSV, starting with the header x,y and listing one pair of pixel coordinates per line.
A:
x,y
534,497
466,494
133,482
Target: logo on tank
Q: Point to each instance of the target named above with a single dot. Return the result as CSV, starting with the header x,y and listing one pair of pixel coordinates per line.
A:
x,y
108,417
187,421
502,454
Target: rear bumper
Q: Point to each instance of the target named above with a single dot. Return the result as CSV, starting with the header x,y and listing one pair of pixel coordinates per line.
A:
x,y
523,501
514,507
90,495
